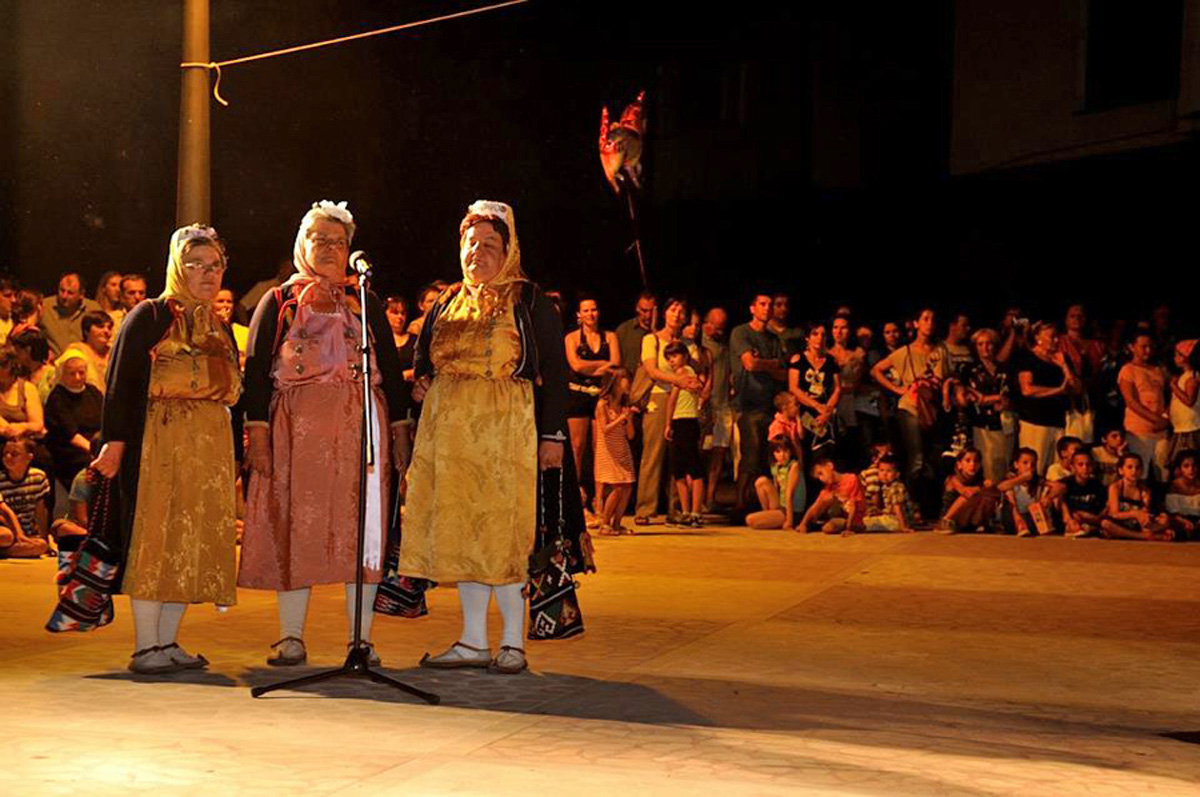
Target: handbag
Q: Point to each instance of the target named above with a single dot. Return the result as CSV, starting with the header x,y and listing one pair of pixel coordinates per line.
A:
x,y
400,596
553,603
926,391
89,576
643,383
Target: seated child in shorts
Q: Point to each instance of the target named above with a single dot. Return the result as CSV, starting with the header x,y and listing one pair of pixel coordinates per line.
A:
x,y
1024,514
1129,516
871,481
894,510
839,506
969,501
23,490
782,493
1084,497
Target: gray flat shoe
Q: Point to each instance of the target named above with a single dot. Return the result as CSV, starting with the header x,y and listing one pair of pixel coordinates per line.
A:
x,y
182,659
457,658
510,661
152,661
289,652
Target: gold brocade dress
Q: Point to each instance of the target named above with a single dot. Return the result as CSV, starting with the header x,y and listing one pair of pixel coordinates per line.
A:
x,y
182,546
471,507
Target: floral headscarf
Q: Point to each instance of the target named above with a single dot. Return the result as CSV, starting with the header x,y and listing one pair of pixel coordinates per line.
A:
x,y
306,276
199,318
494,292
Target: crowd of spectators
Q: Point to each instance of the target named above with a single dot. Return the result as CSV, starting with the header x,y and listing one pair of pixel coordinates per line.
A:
x,y
1026,427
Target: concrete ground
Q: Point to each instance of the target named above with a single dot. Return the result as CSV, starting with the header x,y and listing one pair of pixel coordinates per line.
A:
x,y
715,661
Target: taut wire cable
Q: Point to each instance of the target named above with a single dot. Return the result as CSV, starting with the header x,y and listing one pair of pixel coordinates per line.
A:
x,y
216,65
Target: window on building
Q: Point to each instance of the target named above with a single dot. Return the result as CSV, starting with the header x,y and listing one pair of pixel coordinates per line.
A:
x,y
1132,52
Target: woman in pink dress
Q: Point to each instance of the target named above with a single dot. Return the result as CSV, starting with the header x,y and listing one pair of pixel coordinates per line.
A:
x,y
303,413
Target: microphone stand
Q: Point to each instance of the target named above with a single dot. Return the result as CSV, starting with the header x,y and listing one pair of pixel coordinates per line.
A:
x,y
357,664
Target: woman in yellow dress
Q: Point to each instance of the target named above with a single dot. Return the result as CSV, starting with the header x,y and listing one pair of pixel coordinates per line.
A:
x,y
492,372
169,442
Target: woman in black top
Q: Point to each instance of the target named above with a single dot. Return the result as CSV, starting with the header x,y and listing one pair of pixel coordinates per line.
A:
x,y
591,352
1046,385
814,378
74,412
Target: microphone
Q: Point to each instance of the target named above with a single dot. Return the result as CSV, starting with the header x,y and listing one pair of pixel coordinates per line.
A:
x,y
360,263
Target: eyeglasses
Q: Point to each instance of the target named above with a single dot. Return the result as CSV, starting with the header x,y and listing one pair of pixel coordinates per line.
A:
x,y
194,266
321,242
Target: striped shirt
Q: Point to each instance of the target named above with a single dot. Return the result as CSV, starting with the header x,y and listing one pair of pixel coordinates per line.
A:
x,y
24,496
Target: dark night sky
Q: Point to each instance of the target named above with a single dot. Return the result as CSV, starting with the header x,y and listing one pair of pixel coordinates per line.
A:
x,y
802,149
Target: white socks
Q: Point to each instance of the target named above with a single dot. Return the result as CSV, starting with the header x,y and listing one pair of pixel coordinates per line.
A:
x,y
168,622
475,597
293,611
368,610
146,617
512,609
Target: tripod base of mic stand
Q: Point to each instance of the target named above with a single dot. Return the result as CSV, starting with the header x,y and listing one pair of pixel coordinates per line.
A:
x,y
356,666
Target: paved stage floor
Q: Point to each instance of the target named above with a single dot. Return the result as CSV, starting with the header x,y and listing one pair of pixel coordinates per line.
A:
x,y
719,661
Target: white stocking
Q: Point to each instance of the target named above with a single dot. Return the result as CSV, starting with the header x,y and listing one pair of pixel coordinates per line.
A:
x,y
168,622
368,610
293,610
146,616
512,609
474,598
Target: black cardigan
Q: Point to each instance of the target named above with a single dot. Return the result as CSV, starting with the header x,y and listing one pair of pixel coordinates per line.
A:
x,y
543,355
260,355
127,394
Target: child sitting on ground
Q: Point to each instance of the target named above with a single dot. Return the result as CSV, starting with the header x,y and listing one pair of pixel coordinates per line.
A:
x,y
968,500
894,510
1084,497
871,481
783,493
1183,495
840,505
1129,516
683,437
23,491
1058,474
786,422
1108,454
1025,514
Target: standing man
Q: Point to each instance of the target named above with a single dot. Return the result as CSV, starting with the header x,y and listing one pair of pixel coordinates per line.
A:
x,y
717,439
758,373
958,345
631,332
778,324
61,321
133,291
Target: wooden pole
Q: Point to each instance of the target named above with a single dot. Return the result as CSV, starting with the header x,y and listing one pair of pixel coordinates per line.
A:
x,y
193,199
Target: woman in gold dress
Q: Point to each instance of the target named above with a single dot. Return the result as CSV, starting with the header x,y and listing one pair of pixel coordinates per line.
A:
x,y
169,442
492,372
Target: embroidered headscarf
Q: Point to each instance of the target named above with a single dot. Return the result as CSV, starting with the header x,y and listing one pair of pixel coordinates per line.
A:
x,y
200,320
494,293
306,276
